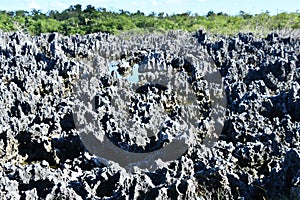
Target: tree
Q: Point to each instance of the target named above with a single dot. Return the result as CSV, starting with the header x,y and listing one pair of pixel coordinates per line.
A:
x,y
54,14
78,8
245,15
161,14
21,13
152,14
37,14
210,14
139,13
90,9
11,13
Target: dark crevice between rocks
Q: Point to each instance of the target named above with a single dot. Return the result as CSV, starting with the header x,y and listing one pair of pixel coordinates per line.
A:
x,y
43,188
35,150
79,188
67,122
107,187
68,147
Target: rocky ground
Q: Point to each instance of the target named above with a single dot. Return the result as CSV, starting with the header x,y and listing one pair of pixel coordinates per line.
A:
x,y
253,125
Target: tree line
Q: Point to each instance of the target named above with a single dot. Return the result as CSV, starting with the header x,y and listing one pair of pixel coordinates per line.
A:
x,y
79,20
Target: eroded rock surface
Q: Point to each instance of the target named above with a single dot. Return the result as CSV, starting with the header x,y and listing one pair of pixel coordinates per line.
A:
x,y
256,155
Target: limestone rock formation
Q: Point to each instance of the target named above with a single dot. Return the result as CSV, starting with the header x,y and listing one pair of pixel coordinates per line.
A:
x,y
255,152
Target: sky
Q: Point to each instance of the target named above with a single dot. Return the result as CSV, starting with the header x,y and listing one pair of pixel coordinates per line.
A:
x,y
201,7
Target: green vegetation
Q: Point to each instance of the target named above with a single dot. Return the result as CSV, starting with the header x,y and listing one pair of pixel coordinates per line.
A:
x,y
75,20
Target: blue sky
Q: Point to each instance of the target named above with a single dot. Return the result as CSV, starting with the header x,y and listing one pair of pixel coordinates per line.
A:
x,y
168,6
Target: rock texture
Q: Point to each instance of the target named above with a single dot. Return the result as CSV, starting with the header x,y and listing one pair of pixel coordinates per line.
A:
x,y
256,155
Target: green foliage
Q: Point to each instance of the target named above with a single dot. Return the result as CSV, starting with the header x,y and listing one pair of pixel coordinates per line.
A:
x,y
6,22
76,20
